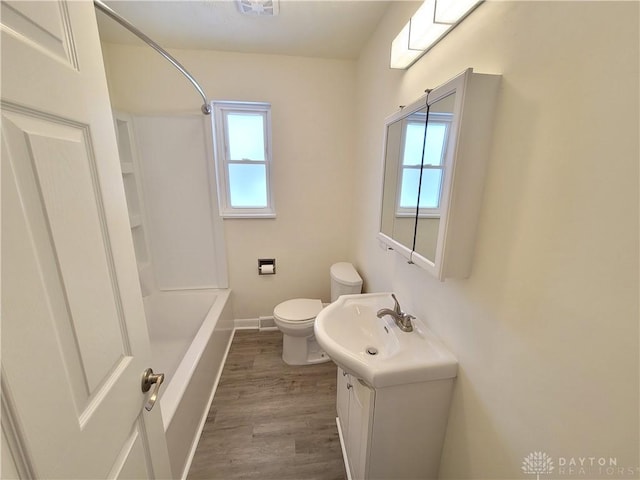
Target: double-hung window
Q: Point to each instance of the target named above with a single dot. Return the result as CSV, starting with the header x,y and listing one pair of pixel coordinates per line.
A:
x,y
242,137
422,166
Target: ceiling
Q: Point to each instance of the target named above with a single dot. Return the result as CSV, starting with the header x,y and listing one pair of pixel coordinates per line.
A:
x,y
320,28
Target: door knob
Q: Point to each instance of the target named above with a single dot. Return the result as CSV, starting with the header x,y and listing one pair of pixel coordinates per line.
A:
x,y
148,379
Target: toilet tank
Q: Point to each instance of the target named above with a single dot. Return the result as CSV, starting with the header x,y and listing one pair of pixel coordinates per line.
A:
x,y
344,280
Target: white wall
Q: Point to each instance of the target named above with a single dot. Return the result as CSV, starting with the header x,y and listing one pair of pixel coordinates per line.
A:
x,y
313,147
546,327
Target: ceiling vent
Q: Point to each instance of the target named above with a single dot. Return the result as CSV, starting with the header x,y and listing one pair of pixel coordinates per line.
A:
x,y
262,8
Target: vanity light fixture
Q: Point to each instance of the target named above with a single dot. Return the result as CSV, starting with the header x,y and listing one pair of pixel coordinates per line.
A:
x,y
424,31
401,55
431,22
453,11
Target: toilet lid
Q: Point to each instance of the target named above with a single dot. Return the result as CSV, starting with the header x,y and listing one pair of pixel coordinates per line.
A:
x,y
298,309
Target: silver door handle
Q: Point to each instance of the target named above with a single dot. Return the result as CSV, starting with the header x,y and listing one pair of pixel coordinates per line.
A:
x,y
148,379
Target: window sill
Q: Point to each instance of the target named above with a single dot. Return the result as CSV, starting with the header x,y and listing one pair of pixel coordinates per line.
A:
x,y
421,215
248,215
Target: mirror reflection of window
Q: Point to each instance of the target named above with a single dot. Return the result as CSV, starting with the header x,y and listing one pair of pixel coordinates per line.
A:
x,y
431,169
411,160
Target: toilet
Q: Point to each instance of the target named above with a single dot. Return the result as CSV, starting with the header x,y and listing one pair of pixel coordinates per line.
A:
x,y
295,318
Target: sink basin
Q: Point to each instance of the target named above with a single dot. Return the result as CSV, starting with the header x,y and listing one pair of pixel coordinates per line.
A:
x,y
375,349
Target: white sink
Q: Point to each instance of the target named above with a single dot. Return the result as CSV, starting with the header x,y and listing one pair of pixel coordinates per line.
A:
x,y
375,349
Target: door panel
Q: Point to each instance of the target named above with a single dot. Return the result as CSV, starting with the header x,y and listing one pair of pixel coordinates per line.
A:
x,y
130,462
44,24
360,414
60,169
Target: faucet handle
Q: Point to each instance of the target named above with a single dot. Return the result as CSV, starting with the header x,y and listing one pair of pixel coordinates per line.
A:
x,y
396,307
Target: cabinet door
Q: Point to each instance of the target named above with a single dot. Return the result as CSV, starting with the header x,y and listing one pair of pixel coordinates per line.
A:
x,y
359,420
342,401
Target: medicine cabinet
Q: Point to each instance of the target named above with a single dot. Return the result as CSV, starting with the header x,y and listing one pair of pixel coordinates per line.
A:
x,y
436,150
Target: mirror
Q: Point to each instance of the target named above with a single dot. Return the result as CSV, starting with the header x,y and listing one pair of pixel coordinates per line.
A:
x,y
434,168
415,167
403,158
434,162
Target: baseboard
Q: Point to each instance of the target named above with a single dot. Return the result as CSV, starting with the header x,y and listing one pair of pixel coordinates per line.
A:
x,y
246,323
260,323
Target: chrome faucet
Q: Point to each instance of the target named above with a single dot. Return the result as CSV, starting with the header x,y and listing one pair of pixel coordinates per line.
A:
x,y
403,320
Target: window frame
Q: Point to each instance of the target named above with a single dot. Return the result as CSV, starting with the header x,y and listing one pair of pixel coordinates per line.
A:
x,y
220,111
435,117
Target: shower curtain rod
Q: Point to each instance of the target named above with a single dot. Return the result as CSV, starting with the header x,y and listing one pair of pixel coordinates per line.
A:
x,y
206,108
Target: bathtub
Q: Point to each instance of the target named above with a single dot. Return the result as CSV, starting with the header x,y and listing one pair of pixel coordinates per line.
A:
x,y
190,333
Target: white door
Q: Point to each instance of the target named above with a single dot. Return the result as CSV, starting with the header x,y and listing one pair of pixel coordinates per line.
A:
x,y
74,338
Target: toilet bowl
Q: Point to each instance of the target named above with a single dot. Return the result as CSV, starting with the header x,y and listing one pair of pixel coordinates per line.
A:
x,y
295,318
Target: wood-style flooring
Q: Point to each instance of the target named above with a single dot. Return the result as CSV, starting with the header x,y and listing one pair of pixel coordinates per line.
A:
x,y
269,420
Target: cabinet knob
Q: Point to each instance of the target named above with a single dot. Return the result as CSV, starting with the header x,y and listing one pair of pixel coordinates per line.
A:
x,y
344,374
349,386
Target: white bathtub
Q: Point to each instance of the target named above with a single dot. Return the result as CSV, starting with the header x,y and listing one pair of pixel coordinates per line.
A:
x,y
190,334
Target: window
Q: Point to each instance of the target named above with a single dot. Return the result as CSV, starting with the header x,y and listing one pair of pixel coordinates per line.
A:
x,y
242,137
427,161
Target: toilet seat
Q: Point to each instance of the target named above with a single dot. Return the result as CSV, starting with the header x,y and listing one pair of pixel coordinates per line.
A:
x,y
298,312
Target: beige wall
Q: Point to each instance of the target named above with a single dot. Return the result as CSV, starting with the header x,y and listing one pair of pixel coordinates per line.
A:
x,y
312,117
546,327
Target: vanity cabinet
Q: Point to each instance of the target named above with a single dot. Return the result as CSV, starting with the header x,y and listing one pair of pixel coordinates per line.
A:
x,y
393,432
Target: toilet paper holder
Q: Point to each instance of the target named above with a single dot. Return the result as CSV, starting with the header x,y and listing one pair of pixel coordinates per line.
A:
x,y
266,266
